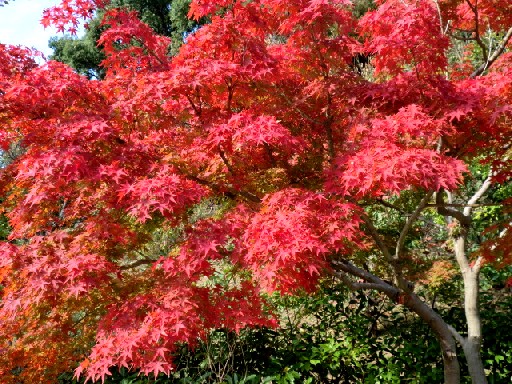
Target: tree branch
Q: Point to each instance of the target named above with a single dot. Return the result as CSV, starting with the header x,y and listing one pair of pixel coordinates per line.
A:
x,y
353,286
301,112
230,94
409,223
225,160
443,32
466,205
136,264
152,53
442,210
62,209
389,205
461,339
373,232
478,264
478,194
372,281
193,105
499,50
328,129
477,38
232,193
228,192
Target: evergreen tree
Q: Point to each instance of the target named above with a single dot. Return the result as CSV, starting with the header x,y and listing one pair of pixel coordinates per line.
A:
x,y
165,17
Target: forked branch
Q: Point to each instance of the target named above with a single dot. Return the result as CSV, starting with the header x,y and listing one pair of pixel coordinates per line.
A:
x,y
369,280
499,50
412,219
478,194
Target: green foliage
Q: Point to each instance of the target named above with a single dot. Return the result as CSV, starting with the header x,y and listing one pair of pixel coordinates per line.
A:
x,y
362,6
166,17
337,336
181,24
155,13
351,338
496,309
5,229
82,54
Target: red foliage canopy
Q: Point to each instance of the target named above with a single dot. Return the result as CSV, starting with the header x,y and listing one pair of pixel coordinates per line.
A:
x,y
262,109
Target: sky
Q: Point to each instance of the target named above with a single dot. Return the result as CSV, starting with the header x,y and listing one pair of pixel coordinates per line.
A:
x,y
20,24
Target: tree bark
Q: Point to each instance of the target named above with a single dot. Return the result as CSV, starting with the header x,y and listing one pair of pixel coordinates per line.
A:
x,y
472,343
470,273
409,299
443,333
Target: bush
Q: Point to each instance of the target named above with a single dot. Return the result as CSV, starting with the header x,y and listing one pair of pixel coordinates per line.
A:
x,y
337,336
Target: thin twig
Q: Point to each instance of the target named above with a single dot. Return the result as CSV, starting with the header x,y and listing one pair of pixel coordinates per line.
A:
x,y
389,205
301,112
374,233
477,38
136,264
405,230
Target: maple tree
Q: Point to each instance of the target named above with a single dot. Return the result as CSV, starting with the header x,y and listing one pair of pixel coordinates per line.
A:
x,y
268,114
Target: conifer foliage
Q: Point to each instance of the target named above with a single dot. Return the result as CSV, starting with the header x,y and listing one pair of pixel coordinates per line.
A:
x,y
263,112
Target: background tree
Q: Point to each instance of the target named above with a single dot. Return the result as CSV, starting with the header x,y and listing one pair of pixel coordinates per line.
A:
x,y
317,169
167,18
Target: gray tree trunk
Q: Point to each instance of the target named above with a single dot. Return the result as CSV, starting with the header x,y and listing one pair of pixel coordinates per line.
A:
x,y
472,343
443,333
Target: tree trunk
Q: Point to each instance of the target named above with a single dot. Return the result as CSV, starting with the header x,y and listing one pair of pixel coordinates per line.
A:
x,y
443,333
472,344
451,366
476,369
403,294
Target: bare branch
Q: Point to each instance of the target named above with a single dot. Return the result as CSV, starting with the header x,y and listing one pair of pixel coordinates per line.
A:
x,y
466,205
348,267
389,205
353,286
443,32
478,264
136,264
478,194
461,339
442,210
374,233
499,50
477,38
62,209
372,281
409,223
